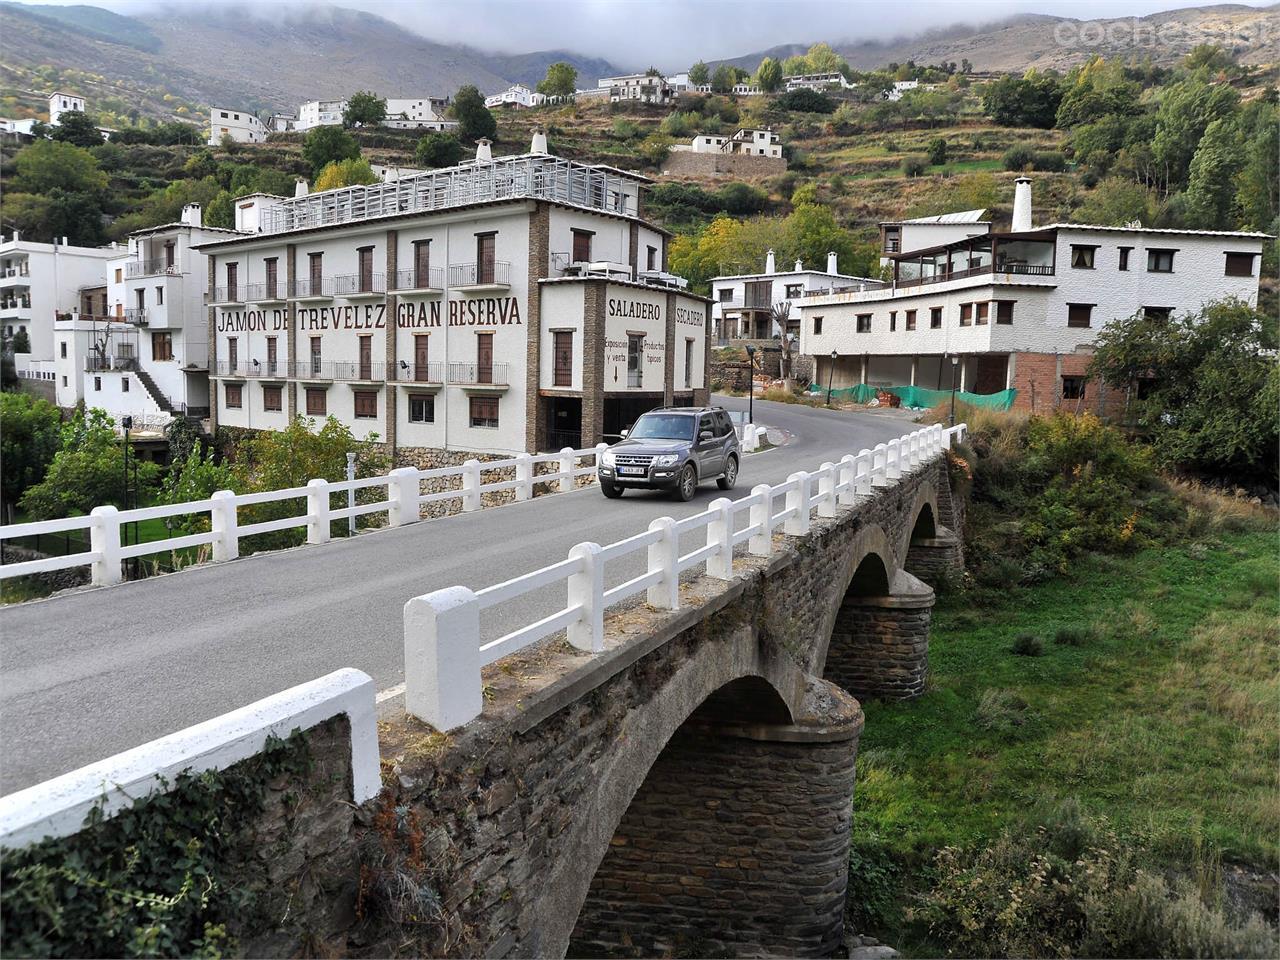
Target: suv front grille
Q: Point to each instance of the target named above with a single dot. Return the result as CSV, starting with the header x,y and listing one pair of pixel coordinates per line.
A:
x,y
633,459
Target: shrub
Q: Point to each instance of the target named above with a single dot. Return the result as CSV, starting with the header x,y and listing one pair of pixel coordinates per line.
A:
x,y
914,166
805,101
1027,645
1051,161
937,151
1076,635
1000,711
1019,158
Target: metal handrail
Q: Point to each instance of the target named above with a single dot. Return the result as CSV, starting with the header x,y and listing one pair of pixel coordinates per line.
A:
x,y
475,373
353,284
409,279
151,268
475,274
430,372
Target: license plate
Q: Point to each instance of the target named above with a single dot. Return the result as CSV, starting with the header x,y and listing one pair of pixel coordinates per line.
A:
x,y
632,471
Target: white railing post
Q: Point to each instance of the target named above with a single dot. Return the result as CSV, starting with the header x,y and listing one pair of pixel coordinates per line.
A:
x,y
104,538
402,494
827,487
848,470
911,460
893,460
879,466
797,522
761,544
224,522
470,486
318,511
749,440
524,476
586,589
862,474
567,460
664,556
720,535
442,657
600,449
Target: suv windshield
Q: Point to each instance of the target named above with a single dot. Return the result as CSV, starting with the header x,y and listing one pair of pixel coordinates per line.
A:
x,y
660,426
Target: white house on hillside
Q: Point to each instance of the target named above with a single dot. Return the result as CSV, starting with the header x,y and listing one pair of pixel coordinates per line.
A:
x,y
240,125
921,232
320,113
517,95
746,141
818,81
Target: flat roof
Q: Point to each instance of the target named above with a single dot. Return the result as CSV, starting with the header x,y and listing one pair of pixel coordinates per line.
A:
x,y
1043,234
190,226
795,273
659,288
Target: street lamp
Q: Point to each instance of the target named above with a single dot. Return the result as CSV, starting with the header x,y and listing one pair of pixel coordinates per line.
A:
x,y
955,362
751,382
125,424
831,373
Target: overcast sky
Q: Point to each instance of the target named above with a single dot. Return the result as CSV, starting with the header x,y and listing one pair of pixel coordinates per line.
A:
x,y
673,33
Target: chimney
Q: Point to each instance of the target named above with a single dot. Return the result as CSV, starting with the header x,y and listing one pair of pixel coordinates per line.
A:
x,y
831,262
539,144
484,150
799,266
191,214
770,264
300,188
17,235
1021,204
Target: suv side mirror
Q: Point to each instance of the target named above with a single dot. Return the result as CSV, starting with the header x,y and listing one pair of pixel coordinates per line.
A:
x,y
623,434
705,435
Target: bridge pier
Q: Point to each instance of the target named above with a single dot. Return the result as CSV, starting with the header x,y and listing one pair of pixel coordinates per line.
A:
x,y
880,641
936,559
736,844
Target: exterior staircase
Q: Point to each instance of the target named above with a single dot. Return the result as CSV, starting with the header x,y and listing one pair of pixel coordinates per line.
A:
x,y
161,400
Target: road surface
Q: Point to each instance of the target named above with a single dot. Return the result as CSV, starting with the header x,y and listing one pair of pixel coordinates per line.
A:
x,y
93,672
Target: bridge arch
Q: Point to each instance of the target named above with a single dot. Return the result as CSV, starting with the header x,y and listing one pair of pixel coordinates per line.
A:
x,y
929,551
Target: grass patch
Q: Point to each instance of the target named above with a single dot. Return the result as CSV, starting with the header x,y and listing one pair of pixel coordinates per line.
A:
x,y
1158,715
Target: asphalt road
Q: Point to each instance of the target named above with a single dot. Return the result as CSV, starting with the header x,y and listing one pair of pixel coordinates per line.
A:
x,y
90,673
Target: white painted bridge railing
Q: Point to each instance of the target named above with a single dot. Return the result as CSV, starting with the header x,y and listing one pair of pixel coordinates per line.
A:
x,y
444,652
401,503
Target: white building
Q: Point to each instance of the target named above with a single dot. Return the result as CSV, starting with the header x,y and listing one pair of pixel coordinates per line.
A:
x,y
420,113
60,103
921,232
320,113
38,282
899,88
746,141
517,95
22,128
150,357
497,306
282,123
818,81
639,87
1019,310
240,125
747,306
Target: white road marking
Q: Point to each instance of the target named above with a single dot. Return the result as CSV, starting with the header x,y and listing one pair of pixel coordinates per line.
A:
x,y
389,694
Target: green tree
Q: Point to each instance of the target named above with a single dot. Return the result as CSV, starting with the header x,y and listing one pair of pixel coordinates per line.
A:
x,y
30,432
769,75
78,128
1211,58
201,164
723,78
1094,90
1117,201
1214,386
345,173
1028,101
937,152
474,119
438,150
699,74
1258,183
221,211
1211,182
1185,112
822,59
805,100
561,80
324,145
364,109
49,164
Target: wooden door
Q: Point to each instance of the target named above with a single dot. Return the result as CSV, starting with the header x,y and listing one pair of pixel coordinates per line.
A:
x,y
420,354
366,358
366,269
485,247
484,358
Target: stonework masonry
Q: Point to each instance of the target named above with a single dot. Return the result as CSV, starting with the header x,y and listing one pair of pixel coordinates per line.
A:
x,y
539,256
390,408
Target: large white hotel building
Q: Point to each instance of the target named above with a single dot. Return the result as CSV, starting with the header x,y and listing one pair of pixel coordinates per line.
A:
x,y
503,305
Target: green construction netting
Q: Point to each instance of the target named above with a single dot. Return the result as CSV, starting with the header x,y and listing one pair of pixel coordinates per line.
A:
x,y
920,398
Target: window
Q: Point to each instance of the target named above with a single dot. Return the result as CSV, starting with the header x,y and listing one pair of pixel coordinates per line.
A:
x,y
97,383
966,314
235,395
118,275
62,348
1004,311
162,345
366,404
1082,256
935,318
317,402
909,318
793,290
1124,257
726,295
1157,313
272,398
817,326
486,245
422,263
484,412
233,354
1073,388
315,356
864,323
893,320
981,311
562,355
581,245
140,298
651,258
273,275
688,362
315,271
124,384
233,270
635,359
64,381
159,296
1240,264
422,408
1078,314
1160,261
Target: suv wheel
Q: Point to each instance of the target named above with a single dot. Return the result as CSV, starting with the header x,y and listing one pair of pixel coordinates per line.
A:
x,y
687,485
730,477
610,490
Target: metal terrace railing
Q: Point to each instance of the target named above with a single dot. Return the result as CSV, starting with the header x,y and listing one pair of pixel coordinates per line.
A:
x,y
444,650
150,268
431,279
507,178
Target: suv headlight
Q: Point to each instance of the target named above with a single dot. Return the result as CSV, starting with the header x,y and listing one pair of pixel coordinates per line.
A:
x,y
607,458
666,460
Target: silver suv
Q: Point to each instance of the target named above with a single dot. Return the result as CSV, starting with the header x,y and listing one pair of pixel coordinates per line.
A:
x,y
673,448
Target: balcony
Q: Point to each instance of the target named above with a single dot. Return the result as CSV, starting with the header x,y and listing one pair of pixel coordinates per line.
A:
x,y
479,378
151,268
1008,269
228,296
256,369
422,374
354,286
315,288
419,283
110,364
16,303
136,315
372,372
266,292
492,275
22,270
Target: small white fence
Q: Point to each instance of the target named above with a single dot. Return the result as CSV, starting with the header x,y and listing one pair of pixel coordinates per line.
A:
x,y
401,504
443,649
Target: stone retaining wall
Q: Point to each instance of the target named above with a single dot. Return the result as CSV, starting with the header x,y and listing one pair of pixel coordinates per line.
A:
x,y
741,166
52,579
